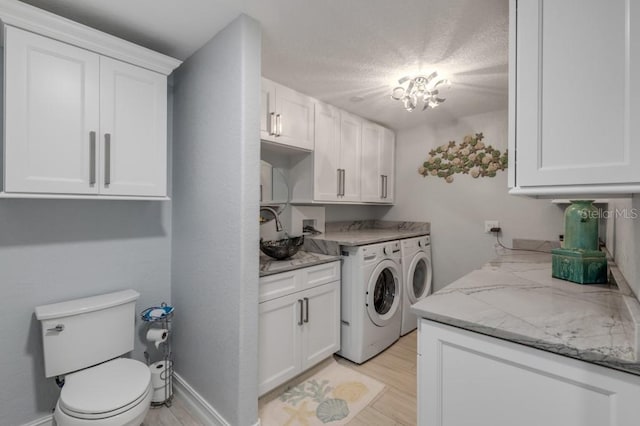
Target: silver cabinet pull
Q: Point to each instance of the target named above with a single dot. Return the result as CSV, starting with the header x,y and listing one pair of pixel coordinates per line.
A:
x,y
58,328
272,124
260,192
300,303
384,186
339,182
381,186
343,182
306,314
278,125
107,159
92,158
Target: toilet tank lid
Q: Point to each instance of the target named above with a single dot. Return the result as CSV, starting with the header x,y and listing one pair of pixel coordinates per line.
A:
x,y
86,304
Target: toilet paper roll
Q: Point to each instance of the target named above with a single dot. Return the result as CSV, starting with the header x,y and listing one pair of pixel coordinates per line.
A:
x,y
161,380
157,336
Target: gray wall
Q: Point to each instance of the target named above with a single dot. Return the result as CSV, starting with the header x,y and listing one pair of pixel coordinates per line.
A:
x,y
623,238
215,220
55,250
457,210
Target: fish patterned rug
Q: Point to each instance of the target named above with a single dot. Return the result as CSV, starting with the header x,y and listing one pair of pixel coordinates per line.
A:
x,y
333,396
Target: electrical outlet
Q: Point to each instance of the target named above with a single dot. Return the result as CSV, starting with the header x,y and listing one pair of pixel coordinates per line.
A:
x,y
488,224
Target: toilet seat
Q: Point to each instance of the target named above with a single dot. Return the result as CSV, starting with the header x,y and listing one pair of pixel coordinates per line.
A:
x,y
105,390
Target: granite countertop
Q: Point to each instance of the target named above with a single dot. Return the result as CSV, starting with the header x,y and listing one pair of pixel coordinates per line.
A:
x,y
359,233
302,259
515,298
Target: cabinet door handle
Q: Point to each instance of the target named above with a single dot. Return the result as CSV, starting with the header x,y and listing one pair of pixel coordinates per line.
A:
x,y
343,182
278,125
384,187
306,307
92,158
272,124
260,192
300,305
339,182
381,186
107,159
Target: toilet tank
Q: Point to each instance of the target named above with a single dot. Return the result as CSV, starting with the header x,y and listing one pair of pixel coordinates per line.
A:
x,y
83,332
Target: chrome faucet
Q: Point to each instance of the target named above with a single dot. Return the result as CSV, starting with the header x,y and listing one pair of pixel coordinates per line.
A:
x,y
275,216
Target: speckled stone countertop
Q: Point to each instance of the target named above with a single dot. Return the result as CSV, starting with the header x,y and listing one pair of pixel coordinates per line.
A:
x,y
515,298
359,233
302,259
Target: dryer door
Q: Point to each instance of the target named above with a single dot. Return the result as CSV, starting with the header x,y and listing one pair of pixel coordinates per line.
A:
x,y
418,283
383,293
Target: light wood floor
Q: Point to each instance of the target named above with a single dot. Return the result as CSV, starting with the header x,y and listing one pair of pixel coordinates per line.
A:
x,y
395,406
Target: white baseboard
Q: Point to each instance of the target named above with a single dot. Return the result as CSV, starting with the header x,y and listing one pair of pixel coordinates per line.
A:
x,y
44,421
197,405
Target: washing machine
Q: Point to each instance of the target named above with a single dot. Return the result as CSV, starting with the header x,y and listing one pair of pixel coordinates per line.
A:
x,y
370,311
416,277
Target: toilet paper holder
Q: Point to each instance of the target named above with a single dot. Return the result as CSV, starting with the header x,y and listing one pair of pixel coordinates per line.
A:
x,y
158,321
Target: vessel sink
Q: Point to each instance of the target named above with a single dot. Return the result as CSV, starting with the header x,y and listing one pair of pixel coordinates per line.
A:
x,y
282,249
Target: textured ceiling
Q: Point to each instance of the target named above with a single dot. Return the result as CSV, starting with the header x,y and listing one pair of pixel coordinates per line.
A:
x,y
336,50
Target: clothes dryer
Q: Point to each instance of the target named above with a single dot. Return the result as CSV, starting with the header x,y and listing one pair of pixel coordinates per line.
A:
x,y
417,277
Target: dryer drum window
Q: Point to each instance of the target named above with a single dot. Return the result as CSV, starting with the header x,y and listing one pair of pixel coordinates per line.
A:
x,y
385,292
420,278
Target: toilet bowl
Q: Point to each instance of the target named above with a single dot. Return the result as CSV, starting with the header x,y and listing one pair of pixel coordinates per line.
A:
x,y
115,393
82,340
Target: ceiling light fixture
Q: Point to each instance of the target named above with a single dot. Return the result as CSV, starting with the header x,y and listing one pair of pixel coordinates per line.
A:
x,y
420,88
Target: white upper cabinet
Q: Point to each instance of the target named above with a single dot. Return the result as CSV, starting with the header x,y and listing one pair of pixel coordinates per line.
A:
x,y
286,116
51,115
353,161
327,176
350,156
133,128
574,94
79,121
336,158
378,163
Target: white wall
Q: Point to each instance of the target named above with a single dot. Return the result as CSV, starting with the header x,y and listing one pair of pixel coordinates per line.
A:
x,y
457,210
55,250
215,222
624,220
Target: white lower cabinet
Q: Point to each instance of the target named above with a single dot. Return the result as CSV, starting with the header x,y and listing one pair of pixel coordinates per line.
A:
x,y
299,317
465,378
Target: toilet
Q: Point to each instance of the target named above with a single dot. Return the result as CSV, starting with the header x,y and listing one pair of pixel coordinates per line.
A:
x,y
83,340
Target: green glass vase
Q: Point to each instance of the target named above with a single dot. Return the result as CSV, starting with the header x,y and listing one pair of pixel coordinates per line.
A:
x,y
581,225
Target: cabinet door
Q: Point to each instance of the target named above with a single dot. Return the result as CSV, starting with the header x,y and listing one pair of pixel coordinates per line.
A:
x,y
387,164
371,181
577,92
267,110
51,113
321,329
350,149
279,341
133,130
500,383
326,154
294,118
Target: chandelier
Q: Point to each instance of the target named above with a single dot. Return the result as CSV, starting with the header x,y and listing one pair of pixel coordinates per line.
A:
x,y
420,88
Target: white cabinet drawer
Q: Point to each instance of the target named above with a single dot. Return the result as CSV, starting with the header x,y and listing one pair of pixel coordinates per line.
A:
x,y
279,285
319,274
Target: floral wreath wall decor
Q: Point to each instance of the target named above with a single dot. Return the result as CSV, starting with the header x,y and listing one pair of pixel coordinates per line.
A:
x,y
471,157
